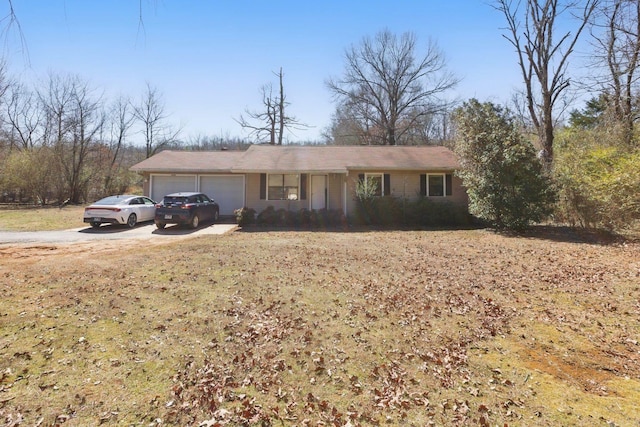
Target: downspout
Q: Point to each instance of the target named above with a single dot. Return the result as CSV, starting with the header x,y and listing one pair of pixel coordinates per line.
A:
x,y
344,192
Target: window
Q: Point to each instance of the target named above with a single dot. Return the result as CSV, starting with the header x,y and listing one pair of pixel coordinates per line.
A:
x,y
375,179
282,187
435,185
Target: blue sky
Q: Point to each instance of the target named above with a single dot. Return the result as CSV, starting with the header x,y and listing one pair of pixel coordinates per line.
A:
x,y
210,58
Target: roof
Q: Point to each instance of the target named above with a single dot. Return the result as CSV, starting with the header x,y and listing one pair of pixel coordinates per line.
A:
x,y
325,159
340,159
189,161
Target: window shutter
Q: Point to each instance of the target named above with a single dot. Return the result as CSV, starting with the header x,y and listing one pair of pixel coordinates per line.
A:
x,y
303,186
449,184
423,184
263,186
387,184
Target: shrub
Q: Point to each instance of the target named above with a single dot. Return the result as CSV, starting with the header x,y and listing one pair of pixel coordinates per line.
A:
x,y
304,218
328,218
385,210
245,216
506,183
599,181
423,212
428,213
268,216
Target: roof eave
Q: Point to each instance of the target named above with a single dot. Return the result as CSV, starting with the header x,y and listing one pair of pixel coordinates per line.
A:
x,y
316,171
174,171
401,168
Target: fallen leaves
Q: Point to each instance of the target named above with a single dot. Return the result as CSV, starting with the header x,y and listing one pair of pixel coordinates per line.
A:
x,y
367,328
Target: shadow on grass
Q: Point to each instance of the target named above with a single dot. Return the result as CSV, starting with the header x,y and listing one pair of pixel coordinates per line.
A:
x,y
566,234
553,233
349,228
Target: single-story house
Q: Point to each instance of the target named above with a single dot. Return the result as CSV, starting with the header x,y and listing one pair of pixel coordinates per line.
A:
x,y
296,177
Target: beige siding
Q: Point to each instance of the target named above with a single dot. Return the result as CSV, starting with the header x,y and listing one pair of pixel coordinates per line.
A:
x,y
403,185
459,195
334,183
335,196
146,188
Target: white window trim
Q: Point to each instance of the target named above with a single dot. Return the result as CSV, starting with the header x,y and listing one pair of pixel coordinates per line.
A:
x,y
283,174
379,175
444,184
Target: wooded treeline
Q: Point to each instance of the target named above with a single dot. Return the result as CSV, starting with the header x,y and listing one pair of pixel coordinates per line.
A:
x,y
65,142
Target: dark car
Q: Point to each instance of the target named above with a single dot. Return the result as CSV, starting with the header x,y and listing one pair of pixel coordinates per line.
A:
x,y
186,209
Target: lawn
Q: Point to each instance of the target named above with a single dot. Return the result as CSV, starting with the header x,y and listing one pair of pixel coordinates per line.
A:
x,y
464,327
41,218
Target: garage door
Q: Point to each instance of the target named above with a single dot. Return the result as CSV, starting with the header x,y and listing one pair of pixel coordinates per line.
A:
x,y
162,185
226,190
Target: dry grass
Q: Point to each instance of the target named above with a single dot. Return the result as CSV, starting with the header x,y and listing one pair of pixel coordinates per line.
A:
x,y
305,328
37,219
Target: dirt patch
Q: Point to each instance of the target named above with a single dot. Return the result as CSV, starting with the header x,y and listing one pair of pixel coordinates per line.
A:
x,y
63,252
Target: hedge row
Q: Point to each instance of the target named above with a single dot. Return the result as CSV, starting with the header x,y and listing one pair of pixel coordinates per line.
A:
x,y
382,211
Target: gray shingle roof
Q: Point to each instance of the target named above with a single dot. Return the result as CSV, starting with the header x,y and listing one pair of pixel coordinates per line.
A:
x,y
327,159
189,161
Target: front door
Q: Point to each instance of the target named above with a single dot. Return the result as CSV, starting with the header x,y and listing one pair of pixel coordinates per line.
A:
x,y
318,192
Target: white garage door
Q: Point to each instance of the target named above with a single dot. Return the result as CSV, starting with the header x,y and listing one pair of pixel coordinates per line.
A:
x,y
226,190
162,185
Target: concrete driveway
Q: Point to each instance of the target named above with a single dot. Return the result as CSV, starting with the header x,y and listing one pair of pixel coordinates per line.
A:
x,y
144,231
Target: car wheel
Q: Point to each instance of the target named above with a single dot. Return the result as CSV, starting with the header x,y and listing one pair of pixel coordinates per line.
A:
x,y
95,224
160,225
195,221
216,215
132,220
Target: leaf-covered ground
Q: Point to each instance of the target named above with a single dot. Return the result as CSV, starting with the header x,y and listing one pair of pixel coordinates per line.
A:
x,y
323,328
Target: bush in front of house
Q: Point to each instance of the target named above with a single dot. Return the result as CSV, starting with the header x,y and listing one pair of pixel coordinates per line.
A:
x,y
384,211
245,216
422,212
304,218
428,213
268,216
327,218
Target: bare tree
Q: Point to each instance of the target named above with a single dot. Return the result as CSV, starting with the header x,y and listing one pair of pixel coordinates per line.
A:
x,y
262,124
387,89
616,34
74,119
120,120
55,101
271,122
23,115
348,127
543,55
86,122
150,112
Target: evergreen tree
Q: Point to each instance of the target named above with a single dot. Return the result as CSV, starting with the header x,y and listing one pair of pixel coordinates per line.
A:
x,y
505,181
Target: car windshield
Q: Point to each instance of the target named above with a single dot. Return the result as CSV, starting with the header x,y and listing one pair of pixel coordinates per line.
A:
x,y
112,200
175,201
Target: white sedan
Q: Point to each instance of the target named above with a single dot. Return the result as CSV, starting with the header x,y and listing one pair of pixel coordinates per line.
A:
x,y
124,209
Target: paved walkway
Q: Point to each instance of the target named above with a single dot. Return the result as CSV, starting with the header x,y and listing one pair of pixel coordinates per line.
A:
x,y
109,232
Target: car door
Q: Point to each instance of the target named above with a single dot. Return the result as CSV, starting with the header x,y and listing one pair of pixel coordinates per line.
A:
x,y
203,203
211,207
135,206
198,208
147,209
